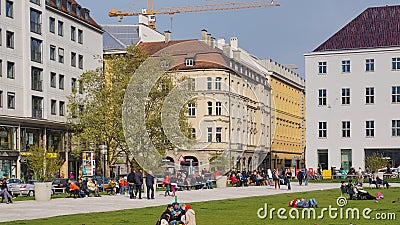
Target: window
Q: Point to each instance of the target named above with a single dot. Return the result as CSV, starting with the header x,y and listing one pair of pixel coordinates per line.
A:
x,y
209,108
218,134
60,28
396,128
322,130
36,21
218,108
61,81
60,55
37,107
37,2
218,83
209,83
73,84
61,109
193,133
52,25
191,84
369,65
36,50
191,109
345,96
10,39
58,3
73,59
11,100
322,97
369,95
80,36
36,79
346,129
80,61
395,94
73,33
10,9
346,66
321,67
11,70
1,99
53,107
395,63
69,6
52,79
52,52
1,68
189,62
1,35
209,134
369,128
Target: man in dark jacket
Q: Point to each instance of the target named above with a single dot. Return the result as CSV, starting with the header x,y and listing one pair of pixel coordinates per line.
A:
x,y
131,181
138,183
150,185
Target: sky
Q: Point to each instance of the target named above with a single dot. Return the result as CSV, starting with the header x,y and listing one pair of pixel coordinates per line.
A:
x,y
283,34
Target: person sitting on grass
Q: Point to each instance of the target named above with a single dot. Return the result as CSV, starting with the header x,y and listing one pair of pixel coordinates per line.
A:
x,y
176,213
165,216
190,216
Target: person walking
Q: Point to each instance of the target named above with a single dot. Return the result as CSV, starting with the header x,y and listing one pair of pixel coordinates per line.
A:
x,y
131,182
167,184
138,183
288,176
300,177
150,185
306,177
121,183
275,177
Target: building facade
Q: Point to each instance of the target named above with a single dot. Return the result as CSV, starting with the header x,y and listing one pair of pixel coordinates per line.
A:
x,y
353,92
45,46
288,125
231,111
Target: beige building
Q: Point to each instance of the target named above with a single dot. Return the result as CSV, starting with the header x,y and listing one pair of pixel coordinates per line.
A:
x,y
231,111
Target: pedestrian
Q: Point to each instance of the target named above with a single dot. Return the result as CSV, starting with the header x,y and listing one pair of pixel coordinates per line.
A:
x,y
71,175
121,186
190,216
288,176
131,182
150,185
138,183
300,177
275,177
167,184
306,177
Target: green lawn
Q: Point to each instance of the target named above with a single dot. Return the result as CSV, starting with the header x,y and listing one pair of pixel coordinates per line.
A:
x,y
243,211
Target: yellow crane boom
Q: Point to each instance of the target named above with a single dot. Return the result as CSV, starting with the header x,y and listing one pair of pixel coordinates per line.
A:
x,y
150,12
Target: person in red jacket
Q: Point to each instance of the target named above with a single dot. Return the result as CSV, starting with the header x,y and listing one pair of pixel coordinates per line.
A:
x,y
167,184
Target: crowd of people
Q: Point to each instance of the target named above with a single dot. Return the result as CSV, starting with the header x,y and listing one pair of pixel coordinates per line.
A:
x,y
185,181
177,214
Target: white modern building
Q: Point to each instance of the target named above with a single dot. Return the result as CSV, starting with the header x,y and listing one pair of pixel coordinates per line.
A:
x,y
353,92
45,46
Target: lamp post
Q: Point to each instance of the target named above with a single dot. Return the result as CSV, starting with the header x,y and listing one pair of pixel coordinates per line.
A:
x,y
104,151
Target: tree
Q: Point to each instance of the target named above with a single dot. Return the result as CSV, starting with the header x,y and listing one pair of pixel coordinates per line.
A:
x,y
95,111
375,162
44,163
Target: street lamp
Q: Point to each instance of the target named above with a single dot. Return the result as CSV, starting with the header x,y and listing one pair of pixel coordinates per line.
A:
x,y
104,152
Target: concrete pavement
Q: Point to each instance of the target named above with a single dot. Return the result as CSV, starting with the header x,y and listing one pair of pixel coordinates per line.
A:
x,y
26,210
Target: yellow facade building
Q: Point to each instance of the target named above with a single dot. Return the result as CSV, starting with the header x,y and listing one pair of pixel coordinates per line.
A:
x,y
287,116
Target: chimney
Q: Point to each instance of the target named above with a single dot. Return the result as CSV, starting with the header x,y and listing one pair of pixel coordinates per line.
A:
x,y
227,50
212,42
221,42
236,55
204,35
167,35
209,39
234,43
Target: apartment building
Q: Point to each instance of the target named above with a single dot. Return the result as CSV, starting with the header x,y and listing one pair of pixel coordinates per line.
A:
x,y
353,92
44,46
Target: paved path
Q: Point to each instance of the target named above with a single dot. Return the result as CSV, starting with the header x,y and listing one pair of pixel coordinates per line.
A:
x,y
25,210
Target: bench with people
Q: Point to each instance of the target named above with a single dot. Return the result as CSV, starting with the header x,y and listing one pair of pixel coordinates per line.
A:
x,y
378,182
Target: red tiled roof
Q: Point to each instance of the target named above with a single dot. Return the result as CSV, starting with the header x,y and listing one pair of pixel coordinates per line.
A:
x,y
204,56
74,3
373,28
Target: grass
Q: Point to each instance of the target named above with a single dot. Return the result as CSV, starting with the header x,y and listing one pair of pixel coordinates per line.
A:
x,y
241,211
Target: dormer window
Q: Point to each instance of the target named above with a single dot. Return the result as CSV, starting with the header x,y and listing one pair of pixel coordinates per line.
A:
x,y
78,12
189,62
87,16
69,6
58,4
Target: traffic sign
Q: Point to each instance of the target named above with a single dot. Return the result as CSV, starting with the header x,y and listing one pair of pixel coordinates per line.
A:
x,y
181,158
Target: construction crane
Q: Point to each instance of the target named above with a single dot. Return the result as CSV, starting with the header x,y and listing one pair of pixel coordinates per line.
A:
x,y
148,15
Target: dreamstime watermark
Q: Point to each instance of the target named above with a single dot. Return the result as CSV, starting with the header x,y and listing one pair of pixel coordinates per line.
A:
x,y
341,213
